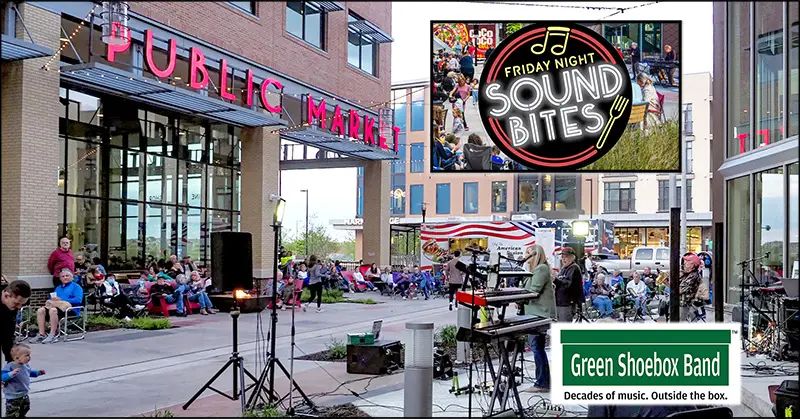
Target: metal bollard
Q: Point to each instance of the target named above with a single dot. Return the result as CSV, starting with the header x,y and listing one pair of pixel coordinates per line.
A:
x,y
418,385
463,319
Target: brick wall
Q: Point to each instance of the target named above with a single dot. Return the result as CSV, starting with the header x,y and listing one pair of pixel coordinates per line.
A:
x,y
264,40
39,296
30,155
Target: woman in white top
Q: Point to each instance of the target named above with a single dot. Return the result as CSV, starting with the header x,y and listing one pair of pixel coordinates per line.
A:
x,y
650,96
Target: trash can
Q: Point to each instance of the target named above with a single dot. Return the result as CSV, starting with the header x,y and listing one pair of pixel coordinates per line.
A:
x,y
463,320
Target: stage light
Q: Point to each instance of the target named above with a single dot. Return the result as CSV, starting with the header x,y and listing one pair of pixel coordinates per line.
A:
x,y
280,208
580,228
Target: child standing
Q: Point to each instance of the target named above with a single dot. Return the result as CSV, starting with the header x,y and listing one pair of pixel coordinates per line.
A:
x,y
474,91
16,376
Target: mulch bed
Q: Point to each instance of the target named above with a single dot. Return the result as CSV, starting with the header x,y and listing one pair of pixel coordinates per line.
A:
x,y
321,356
347,410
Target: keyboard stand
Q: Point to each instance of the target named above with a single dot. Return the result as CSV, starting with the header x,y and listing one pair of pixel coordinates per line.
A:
x,y
509,350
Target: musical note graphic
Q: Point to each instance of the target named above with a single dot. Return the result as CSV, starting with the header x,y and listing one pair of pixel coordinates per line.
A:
x,y
539,49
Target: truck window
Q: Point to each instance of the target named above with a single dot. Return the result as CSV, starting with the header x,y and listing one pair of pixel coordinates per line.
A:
x,y
644,254
662,254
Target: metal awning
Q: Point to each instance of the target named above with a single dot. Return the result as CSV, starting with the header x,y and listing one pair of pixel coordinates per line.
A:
x,y
15,49
118,82
314,137
370,29
329,6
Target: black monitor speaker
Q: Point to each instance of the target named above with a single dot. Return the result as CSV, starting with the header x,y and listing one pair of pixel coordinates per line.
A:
x,y
232,260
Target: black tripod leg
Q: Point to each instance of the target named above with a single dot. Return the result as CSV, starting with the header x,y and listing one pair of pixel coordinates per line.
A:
x,y
208,383
296,386
243,394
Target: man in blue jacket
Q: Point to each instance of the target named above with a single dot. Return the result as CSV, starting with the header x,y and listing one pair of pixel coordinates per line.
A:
x,y
56,307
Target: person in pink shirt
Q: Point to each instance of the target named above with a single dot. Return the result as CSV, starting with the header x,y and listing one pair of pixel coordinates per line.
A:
x,y
61,258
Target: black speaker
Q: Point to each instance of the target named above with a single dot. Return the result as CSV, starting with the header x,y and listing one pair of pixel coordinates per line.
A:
x,y
374,359
232,260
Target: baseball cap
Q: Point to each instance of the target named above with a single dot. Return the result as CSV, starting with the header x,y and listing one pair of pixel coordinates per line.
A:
x,y
568,251
691,257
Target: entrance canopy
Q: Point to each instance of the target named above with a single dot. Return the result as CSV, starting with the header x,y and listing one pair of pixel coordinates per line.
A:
x,y
318,138
118,82
15,49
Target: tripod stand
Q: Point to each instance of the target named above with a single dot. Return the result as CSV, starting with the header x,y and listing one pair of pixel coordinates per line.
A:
x,y
239,370
268,373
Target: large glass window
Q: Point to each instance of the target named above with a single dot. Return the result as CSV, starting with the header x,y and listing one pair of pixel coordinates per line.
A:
x,y
738,225
398,199
417,198
159,181
470,197
769,228
443,198
651,39
306,21
499,196
566,189
794,214
528,193
627,239
689,156
418,109
417,157
769,73
399,98
688,193
619,197
794,74
362,50
738,75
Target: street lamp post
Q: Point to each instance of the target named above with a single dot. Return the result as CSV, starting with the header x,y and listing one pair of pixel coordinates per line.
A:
x,y
305,238
591,198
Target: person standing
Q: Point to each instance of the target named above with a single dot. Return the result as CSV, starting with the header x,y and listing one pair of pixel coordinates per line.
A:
x,y
314,283
455,269
467,65
569,286
669,57
545,306
457,48
61,258
636,58
14,295
689,284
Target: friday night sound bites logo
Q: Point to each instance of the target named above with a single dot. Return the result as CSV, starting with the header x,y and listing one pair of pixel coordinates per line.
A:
x,y
555,96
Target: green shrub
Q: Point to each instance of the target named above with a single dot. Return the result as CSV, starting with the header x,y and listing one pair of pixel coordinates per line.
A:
x,y
447,336
363,301
95,320
328,296
149,323
166,413
337,349
264,412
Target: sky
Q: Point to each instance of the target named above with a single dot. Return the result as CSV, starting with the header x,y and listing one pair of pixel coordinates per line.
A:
x,y
332,192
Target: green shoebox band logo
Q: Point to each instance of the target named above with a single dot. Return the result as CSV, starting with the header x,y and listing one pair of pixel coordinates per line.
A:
x,y
645,357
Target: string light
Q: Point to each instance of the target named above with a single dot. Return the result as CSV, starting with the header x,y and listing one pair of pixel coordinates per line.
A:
x,y
64,43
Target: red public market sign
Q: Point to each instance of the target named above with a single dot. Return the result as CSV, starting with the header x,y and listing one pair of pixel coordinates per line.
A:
x,y
199,79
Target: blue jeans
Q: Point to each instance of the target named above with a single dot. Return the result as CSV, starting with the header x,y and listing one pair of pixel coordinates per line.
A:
x,y
639,303
176,299
603,304
536,343
202,298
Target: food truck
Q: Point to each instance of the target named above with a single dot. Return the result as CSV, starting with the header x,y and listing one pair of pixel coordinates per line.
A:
x,y
438,241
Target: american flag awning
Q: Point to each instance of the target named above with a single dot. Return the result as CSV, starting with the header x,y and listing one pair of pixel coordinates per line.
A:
x,y
368,28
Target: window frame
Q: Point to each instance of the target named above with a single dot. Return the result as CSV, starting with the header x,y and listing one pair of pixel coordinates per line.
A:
x,y
439,188
477,197
607,186
323,24
504,184
417,165
361,35
252,10
411,206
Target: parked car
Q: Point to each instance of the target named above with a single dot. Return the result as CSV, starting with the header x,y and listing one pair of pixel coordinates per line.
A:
x,y
657,258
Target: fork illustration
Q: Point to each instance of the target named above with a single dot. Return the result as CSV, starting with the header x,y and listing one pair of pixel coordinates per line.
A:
x,y
616,111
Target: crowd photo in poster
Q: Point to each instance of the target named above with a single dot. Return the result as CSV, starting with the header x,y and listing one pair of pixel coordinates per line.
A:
x,y
555,96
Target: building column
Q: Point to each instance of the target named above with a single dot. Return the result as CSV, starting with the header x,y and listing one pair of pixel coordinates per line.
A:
x,y
260,179
375,236
30,152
